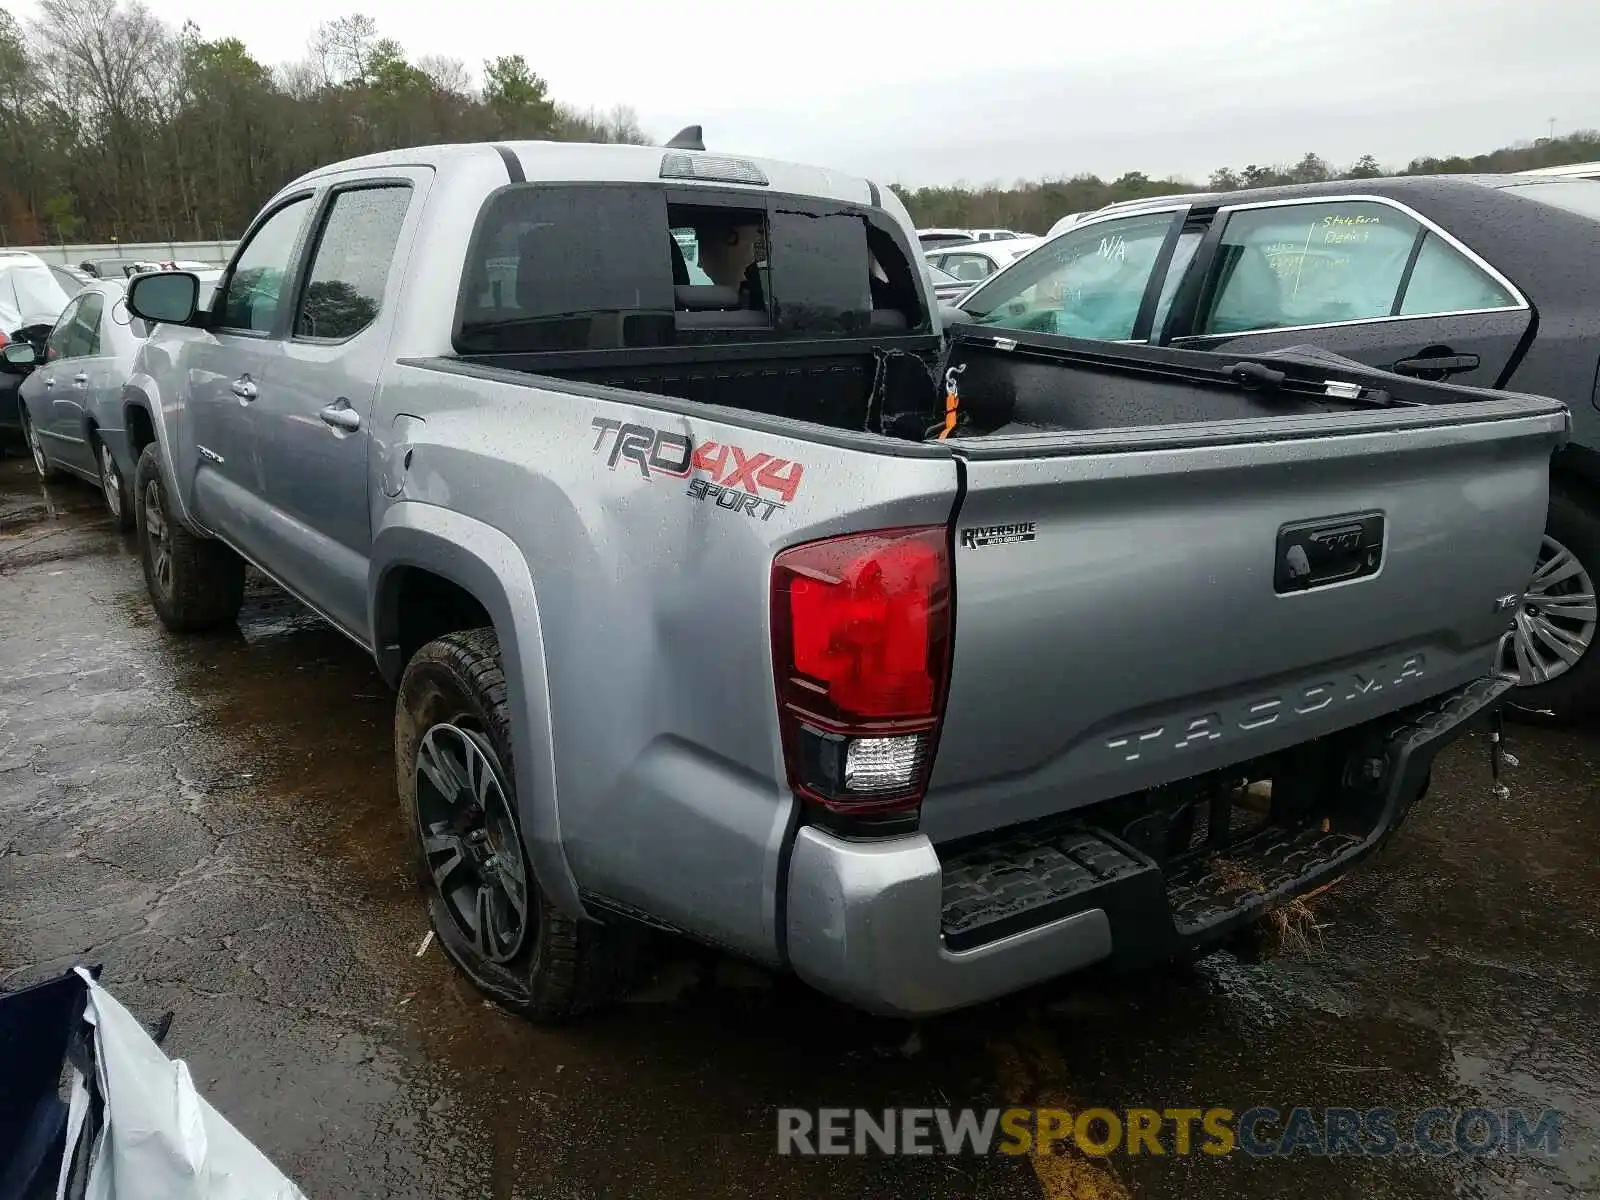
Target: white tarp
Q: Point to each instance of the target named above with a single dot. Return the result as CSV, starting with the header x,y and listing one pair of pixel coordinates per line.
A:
x,y
160,1139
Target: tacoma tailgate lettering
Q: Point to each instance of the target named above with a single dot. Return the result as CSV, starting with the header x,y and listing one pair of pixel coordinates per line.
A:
x,y
1257,713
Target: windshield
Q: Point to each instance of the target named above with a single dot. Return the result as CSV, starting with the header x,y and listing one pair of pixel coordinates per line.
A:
x,y
1581,196
30,295
1087,282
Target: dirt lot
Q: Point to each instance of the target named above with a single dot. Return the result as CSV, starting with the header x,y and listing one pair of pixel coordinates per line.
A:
x,y
212,820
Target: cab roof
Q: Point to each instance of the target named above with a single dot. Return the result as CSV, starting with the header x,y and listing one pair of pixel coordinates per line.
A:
x,y
579,162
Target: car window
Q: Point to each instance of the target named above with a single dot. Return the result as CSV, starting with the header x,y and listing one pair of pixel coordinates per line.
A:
x,y
69,283
1307,264
84,338
1089,282
1182,256
1445,280
255,288
350,266
57,344
968,267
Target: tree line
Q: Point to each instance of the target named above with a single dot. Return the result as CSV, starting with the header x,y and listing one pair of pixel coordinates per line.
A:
x,y
116,126
1032,207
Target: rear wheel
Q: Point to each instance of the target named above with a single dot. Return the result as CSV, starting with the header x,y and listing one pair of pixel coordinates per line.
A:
x,y
195,583
41,461
1551,647
458,795
119,497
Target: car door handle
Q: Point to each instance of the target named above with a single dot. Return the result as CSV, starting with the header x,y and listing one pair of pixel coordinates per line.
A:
x,y
80,378
50,382
1447,363
341,416
244,388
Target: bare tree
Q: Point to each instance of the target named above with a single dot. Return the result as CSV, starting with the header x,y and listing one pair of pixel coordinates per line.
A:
x,y
447,74
340,48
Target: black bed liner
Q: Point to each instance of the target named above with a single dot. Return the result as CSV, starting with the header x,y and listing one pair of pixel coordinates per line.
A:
x,y
1012,381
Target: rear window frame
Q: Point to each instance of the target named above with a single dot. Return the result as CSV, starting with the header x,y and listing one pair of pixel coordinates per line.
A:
x,y
678,194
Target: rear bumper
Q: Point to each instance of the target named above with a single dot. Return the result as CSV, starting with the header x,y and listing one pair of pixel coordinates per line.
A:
x,y
888,926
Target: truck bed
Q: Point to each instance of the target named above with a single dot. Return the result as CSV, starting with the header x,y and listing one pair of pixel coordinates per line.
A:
x,y
1256,554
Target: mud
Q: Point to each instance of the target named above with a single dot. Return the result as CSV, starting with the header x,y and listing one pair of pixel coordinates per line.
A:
x,y
213,821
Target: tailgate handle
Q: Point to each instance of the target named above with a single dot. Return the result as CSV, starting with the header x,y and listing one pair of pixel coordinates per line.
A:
x,y
1328,550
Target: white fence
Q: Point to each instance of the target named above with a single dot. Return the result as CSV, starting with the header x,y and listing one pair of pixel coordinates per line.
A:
x,y
207,252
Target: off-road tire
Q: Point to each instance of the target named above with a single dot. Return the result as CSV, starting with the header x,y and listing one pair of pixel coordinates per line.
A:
x,y
566,965
206,585
1574,521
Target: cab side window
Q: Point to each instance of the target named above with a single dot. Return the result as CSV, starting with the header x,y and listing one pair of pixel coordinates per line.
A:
x,y
1306,264
350,265
1089,282
255,287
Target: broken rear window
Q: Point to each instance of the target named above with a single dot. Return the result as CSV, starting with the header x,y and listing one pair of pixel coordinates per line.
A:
x,y
556,267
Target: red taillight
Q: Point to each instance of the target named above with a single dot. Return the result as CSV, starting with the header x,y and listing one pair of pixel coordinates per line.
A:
x,y
4,341
861,652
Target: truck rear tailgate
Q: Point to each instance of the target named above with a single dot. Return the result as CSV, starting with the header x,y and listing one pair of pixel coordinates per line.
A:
x,y
1136,606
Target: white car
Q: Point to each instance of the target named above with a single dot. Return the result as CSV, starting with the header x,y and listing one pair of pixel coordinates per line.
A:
x,y
30,294
31,298
934,239
1588,170
973,262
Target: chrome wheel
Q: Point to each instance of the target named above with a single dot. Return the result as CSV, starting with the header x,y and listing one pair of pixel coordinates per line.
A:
x,y
470,840
159,537
110,481
40,462
1555,625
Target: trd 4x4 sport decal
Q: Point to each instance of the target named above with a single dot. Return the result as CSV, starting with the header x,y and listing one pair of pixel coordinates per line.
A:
x,y
756,485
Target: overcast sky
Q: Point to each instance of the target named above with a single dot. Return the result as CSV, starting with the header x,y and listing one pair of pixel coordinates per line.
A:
x,y
939,93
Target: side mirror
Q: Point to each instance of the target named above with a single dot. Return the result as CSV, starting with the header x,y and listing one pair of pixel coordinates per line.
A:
x,y
166,297
20,354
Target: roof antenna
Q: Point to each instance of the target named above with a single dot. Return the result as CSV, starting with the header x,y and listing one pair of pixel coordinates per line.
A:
x,y
687,138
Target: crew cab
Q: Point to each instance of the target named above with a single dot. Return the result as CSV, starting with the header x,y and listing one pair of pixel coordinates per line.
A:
x,y
926,664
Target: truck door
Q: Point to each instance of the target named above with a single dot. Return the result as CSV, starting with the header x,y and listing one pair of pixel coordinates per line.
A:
x,y
227,371
1364,277
312,433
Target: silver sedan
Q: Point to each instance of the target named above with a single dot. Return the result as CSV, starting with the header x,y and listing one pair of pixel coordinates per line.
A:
x,y
71,403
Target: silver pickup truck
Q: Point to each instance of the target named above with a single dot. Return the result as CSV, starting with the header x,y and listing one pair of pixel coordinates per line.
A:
x,y
750,603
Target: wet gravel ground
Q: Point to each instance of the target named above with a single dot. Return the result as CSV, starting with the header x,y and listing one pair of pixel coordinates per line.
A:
x,y
213,821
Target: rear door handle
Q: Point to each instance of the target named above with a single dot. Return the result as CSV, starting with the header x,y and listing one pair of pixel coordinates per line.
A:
x,y
50,382
80,378
341,416
1449,364
244,388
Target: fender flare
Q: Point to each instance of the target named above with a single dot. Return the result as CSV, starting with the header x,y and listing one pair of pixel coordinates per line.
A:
x,y
136,394
487,564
